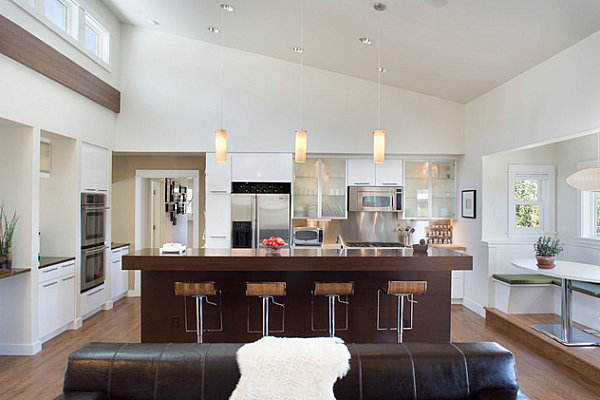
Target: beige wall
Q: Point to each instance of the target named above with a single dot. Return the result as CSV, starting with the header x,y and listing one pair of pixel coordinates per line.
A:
x,y
123,190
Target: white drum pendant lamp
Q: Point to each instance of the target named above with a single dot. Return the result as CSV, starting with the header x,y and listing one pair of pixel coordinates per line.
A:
x,y
587,179
221,145
379,134
300,151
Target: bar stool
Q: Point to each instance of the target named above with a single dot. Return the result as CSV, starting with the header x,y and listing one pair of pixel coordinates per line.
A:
x,y
199,291
333,291
402,290
266,291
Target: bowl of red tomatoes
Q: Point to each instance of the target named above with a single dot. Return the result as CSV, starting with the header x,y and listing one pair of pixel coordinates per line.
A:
x,y
273,244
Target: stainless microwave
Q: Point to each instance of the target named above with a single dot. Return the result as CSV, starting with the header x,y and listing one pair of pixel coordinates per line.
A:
x,y
375,198
307,236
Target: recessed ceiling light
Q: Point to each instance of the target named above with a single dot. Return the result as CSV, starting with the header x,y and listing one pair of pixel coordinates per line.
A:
x,y
298,49
227,7
365,40
213,29
154,22
382,69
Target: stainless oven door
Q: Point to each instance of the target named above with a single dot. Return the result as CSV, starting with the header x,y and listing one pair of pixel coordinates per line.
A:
x,y
93,225
92,267
376,200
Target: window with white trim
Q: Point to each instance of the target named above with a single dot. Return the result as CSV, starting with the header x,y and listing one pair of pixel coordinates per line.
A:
x,y
589,208
75,23
531,199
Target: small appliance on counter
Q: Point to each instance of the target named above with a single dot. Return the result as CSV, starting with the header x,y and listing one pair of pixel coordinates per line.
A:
x,y
307,236
172,248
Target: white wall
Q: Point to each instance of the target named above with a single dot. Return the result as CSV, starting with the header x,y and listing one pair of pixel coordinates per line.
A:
x,y
557,98
59,210
171,92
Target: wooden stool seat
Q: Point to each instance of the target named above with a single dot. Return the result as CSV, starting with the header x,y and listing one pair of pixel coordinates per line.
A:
x,y
262,289
406,287
195,289
334,288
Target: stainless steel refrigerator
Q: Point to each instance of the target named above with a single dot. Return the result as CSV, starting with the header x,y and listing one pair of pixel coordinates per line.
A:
x,y
259,211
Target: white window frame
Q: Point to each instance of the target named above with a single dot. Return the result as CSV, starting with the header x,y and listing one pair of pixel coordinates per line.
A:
x,y
76,21
546,175
103,37
585,201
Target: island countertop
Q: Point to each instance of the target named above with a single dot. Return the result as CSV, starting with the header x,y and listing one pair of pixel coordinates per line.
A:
x,y
303,259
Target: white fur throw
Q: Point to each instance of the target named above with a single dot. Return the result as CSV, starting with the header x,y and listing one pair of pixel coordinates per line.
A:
x,y
290,368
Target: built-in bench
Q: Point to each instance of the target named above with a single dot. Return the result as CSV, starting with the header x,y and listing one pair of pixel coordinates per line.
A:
x,y
533,293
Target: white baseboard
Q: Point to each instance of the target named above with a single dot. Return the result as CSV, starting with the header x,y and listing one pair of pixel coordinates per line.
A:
x,y
133,293
20,349
108,305
456,301
473,306
76,324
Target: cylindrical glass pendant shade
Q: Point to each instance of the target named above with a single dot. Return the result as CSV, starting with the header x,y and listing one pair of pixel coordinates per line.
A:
x,y
587,179
221,145
378,146
300,152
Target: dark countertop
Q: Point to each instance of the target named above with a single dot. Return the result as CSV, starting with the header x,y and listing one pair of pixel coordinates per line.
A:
x,y
299,259
7,273
48,261
117,245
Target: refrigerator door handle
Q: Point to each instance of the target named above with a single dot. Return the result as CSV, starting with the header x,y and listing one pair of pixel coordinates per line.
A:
x,y
255,222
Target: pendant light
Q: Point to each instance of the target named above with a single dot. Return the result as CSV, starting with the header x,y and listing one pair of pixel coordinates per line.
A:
x,y
300,145
379,134
587,179
221,134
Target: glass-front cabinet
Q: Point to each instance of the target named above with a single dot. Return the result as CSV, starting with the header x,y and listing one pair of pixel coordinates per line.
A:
x,y
320,189
430,189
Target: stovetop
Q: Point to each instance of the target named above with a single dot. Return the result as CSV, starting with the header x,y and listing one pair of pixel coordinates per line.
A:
x,y
375,244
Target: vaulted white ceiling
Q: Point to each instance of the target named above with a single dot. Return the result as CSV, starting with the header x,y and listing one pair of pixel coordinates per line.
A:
x,y
453,49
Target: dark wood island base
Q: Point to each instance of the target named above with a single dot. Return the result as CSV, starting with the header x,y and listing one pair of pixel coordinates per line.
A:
x,y
163,313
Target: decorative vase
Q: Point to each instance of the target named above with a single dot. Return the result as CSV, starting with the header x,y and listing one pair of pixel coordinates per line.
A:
x,y
420,248
6,259
545,262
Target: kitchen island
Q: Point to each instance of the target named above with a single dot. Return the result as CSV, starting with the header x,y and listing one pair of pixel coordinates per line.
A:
x,y
164,315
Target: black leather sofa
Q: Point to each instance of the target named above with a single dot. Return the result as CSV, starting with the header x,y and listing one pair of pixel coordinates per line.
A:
x,y
182,371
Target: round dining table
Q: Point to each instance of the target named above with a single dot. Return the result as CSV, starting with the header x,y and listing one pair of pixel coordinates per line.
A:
x,y
567,271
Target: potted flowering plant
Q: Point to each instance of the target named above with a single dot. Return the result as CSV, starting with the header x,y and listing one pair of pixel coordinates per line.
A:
x,y
7,229
546,250
421,246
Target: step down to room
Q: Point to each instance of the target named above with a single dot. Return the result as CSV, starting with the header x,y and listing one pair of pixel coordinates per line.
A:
x,y
583,361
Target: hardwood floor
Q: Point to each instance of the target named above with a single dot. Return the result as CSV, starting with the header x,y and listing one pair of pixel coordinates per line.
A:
x,y
40,376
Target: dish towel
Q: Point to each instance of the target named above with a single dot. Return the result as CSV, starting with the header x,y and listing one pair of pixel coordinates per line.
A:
x,y
290,368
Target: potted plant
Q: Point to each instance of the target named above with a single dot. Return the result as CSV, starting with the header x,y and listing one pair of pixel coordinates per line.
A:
x,y
421,247
7,229
546,250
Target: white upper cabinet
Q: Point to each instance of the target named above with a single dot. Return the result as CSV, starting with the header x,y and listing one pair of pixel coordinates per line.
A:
x,y
361,172
261,167
389,173
218,175
94,168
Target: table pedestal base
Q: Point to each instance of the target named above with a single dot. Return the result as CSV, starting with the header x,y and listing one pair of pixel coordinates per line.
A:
x,y
572,337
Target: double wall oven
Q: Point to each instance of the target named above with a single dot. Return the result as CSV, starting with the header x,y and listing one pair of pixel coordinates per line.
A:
x,y
93,239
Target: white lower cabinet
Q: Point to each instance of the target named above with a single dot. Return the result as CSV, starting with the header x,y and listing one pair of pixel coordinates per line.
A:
x,y
119,279
218,221
56,299
92,300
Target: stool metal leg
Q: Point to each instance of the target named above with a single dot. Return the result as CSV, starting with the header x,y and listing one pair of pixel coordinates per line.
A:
x,y
400,318
265,304
331,316
199,319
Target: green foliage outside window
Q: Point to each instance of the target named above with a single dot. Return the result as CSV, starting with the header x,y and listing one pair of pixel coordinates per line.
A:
x,y
527,215
526,190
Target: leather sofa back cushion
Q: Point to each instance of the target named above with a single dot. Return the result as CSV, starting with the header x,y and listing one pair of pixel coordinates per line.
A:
x,y
185,371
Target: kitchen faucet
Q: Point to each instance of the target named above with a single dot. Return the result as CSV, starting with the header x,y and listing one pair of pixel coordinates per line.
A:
x,y
340,241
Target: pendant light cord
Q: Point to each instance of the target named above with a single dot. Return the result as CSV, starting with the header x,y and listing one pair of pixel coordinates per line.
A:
x,y
302,65
221,72
378,69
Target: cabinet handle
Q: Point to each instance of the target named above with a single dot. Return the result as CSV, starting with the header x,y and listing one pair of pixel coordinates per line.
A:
x,y
103,190
389,183
70,277
90,190
97,291
45,271
50,284
362,183
218,191
217,237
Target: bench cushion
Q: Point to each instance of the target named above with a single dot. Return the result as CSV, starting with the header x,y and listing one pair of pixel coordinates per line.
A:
x,y
589,288
524,279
